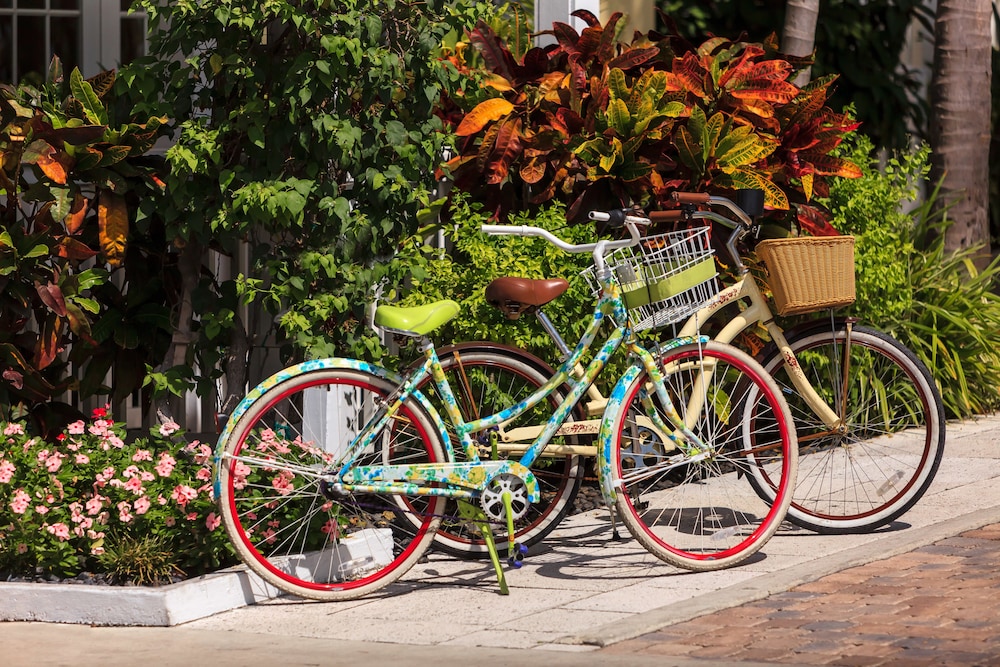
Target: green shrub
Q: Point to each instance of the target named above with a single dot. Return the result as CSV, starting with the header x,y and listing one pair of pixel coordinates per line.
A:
x,y
936,304
475,259
871,208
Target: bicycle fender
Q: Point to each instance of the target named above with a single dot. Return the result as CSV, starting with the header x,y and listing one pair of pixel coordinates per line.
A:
x,y
605,438
306,367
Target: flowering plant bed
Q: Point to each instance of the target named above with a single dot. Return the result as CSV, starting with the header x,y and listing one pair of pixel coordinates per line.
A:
x,y
92,505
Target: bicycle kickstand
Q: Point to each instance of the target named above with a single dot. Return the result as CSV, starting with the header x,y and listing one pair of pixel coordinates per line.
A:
x,y
470,512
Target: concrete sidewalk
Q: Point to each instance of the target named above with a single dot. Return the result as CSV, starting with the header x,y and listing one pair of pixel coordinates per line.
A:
x,y
582,592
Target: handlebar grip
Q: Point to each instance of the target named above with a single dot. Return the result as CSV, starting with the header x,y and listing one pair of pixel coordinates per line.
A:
x,y
691,197
614,217
666,216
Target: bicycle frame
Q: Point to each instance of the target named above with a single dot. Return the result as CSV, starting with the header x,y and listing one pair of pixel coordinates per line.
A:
x,y
467,479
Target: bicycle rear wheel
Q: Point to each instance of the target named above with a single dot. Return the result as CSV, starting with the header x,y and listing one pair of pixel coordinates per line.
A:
x,y
486,378
883,459
696,511
285,520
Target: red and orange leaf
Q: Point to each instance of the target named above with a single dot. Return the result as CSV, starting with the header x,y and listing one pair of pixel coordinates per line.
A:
x,y
606,50
633,58
826,165
70,248
489,45
590,41
112,216
566,36
779,92
52,297
587,17
47,345
533,171
487,145
507,147
77,213
497,82
812,221
484,113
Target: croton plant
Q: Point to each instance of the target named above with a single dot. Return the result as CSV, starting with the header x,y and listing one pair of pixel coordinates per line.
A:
x,y
596,123
69,177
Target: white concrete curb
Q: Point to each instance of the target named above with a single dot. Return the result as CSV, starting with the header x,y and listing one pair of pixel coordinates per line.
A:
x,y
146,606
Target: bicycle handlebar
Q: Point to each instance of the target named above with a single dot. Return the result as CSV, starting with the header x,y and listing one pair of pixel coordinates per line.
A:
x,y
631,222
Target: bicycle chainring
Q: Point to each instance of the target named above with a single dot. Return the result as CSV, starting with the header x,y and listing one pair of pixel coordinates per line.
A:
x,y
492,499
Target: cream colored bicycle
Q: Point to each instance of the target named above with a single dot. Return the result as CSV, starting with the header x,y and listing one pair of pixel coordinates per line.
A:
x,y
869,418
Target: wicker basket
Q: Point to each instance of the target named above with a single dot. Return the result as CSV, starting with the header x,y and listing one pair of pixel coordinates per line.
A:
x,y
809,273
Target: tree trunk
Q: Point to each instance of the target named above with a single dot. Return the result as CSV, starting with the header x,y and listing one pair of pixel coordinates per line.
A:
x,y
799,35
960,119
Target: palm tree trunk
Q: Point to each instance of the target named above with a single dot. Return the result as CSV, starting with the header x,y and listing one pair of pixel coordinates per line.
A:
x,y
799,35
960,119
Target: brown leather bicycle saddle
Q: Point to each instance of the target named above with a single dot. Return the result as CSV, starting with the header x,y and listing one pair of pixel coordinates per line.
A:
x,y
514,296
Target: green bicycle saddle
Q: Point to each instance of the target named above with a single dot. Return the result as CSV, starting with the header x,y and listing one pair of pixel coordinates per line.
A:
x,y
418,320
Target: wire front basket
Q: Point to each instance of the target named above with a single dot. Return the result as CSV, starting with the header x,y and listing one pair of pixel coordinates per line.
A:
x,y
665,278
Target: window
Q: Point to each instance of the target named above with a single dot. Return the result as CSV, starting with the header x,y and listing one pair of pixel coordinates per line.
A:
x,y
90,34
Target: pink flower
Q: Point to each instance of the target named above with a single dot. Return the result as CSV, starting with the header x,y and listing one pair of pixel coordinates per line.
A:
x,y
124,512
240,473
99,428
142,505
112,440
134,484
282,483
60,530
146,476
142,455
182,494
168,428
76,428
212,521
19,505
22,548
13,429
203,474
191,516
166,465
82,459
130,471
94,505
7,470
53,462
96,551
42,509
169,521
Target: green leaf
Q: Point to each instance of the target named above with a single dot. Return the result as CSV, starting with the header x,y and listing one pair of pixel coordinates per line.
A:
x,y
84,93
619,118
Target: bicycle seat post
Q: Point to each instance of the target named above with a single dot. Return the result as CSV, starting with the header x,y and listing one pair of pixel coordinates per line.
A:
x,y
550,329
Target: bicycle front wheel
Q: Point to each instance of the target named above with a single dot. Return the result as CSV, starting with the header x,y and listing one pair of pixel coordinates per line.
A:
x,y
879,463
693,509
485,379
287,522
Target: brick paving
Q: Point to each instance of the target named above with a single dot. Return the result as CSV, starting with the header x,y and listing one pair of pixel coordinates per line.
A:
x,y
936,605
